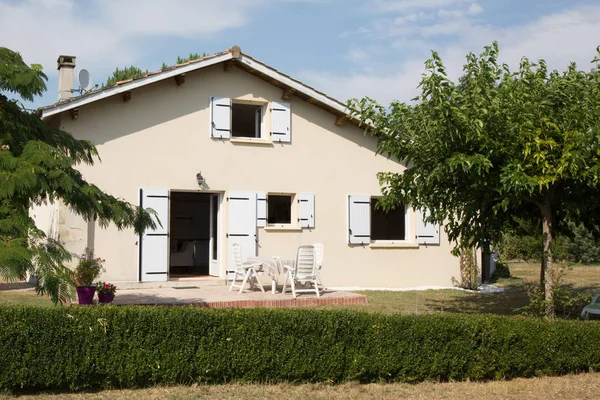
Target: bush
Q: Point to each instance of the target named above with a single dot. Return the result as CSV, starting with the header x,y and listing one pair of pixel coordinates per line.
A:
x,y
579,246
81,347
583,248
502,270
566,301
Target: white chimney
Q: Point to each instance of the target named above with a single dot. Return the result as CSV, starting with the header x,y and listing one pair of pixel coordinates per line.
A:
x,y
66,75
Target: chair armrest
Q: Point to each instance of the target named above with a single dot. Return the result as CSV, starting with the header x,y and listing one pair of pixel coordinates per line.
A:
x,y
595,298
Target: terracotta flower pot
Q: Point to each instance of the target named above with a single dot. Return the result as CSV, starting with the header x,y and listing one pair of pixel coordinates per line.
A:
x,y
85,294
105,298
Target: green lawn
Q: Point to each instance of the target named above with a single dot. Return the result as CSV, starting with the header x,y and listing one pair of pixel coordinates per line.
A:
x,y
581,278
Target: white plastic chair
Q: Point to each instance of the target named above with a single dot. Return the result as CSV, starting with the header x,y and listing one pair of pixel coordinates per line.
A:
x,y
592,308
319,252
245,271
304,271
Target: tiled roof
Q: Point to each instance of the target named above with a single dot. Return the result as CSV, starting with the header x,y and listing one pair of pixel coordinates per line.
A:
x,y
234,55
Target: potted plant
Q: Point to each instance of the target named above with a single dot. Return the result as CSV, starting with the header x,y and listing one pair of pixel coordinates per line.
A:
x,y
88,270
106,292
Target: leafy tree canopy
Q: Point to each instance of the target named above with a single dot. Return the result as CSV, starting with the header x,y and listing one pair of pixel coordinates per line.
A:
x,y
132,72
37,166
125,73
181,60
495,145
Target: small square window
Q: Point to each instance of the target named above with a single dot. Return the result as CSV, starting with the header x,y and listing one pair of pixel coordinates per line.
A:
x,y
390,225
279,209
246,120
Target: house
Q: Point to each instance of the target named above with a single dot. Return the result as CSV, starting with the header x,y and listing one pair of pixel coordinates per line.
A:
x,y
229,150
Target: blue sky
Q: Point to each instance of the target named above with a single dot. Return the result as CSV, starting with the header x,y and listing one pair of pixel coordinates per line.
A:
x,y
346,48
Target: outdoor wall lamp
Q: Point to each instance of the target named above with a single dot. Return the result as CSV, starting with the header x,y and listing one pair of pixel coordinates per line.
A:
x,y
200,179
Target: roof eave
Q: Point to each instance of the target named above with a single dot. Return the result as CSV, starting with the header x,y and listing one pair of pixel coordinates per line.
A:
x,y
126,87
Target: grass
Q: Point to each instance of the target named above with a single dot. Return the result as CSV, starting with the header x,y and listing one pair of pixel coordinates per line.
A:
x,y
564,387
581,278
20,293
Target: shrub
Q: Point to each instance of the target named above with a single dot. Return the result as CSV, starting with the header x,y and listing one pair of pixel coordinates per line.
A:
x,y
84,347
583,248
502,270
566,300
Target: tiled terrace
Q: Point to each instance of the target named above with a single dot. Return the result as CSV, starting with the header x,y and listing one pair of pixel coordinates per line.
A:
x,y
221,297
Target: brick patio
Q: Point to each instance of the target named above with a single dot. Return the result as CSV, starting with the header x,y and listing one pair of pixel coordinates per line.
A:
x,y
221,297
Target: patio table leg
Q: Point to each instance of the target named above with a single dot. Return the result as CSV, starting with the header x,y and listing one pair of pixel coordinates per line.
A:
x,y
273,285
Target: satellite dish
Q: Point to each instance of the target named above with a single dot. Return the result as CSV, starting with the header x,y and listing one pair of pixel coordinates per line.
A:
x,y
85,79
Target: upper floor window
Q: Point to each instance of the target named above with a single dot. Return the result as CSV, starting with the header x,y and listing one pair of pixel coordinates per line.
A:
x,y
247,120
250,120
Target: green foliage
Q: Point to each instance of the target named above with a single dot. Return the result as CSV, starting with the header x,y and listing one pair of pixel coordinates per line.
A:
x,y
182,60
579,246
38,166
18,78
495,145
584,247
191,57
89,268
105,288
98,347
123,74
565,301
502,270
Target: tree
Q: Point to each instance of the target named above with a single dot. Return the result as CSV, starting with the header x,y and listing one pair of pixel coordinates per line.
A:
x,y
38,165
495,145
123,74
181,60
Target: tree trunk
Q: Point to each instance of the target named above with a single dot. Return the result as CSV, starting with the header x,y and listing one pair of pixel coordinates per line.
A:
x,y
547,258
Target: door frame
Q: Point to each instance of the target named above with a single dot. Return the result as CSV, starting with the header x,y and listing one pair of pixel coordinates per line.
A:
x,y
215,198
220,196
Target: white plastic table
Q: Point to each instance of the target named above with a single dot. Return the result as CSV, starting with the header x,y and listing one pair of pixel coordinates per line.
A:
x,y
272,266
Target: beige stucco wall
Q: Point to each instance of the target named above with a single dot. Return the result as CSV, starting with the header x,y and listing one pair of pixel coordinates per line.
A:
x,y
160,139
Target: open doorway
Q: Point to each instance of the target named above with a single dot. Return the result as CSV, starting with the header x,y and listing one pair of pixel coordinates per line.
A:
x,y
193,238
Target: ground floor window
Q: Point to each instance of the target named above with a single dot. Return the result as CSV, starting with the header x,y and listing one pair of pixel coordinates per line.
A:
x,y
279,209
387,225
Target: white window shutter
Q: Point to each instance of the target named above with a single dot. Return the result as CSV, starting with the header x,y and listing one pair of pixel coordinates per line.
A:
x,y
261,209
427,233
281,122
306,210
242,225
220,117
154,243
359,219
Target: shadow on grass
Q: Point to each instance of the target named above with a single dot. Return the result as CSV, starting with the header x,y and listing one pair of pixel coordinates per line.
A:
x,y
508,302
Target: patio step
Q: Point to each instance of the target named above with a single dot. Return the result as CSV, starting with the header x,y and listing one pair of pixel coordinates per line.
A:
x,y
182,283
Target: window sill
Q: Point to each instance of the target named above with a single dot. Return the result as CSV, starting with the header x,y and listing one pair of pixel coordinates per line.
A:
x,y
394,245
251,141
281,228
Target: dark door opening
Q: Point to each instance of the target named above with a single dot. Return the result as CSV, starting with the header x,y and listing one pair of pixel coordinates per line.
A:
x,y
190,234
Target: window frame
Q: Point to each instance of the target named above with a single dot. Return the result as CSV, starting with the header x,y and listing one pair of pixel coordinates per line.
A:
x,y
294,211
264,134
407,227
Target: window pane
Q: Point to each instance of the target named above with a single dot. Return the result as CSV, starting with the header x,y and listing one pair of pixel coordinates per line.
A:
x,y
387,226
279,209
246,120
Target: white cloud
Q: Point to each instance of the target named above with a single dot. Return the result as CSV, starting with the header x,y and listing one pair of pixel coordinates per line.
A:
x,y
104,33
475,9
558,38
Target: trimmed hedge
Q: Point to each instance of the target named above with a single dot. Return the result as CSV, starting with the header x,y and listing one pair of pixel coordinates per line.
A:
x,y
83,347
